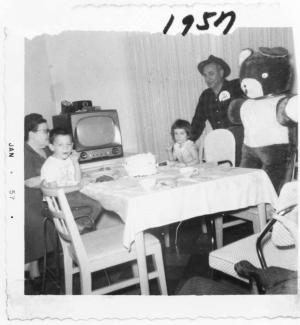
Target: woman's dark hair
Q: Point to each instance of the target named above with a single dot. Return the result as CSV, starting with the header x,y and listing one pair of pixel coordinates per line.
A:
x,y
31,123
58,131
181,124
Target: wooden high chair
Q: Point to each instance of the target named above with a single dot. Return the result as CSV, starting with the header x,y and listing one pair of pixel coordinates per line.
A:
x,y
97,250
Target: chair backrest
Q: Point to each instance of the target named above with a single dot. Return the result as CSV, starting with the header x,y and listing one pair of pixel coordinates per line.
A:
x,y
288,195
65,225
281,235
219,145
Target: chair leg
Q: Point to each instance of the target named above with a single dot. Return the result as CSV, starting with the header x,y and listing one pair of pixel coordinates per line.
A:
x,y
85,281
55,276
219,231
57,260
135,269
68,271
45,255
159,265
212,231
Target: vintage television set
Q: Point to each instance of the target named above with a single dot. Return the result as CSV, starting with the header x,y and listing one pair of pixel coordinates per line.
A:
x,y
96,134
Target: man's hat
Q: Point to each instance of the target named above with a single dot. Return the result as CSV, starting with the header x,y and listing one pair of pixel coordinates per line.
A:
x,y
214,59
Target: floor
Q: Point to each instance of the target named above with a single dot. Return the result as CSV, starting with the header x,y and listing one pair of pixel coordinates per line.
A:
x,y
183,262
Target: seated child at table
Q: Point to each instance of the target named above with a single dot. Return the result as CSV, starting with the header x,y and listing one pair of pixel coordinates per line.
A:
x,y
183,151
62,170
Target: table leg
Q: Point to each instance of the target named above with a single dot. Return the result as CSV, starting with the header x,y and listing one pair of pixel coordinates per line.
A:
x,y
219,231
203,226
167,236
142,265
260,220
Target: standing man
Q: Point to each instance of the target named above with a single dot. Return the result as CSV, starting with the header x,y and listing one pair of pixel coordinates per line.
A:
x,y
214,101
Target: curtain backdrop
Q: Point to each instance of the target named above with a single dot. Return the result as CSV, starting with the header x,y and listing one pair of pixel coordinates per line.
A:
x,y
165,83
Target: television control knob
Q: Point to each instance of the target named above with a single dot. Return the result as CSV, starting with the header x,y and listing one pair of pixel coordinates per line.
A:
x,y
115,150
83,155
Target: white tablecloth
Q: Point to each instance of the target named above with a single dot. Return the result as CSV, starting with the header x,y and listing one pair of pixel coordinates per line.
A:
x,y
213,190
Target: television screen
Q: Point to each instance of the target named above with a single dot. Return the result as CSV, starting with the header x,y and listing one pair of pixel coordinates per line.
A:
x,y
95,131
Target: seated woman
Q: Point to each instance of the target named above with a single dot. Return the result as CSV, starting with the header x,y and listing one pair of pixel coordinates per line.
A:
x,y
36,152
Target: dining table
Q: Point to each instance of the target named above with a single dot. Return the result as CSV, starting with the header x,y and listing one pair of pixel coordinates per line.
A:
x,y
171,196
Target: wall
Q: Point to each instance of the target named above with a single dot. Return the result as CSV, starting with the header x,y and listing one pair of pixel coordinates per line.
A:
x,y
151,79
75,66
38,92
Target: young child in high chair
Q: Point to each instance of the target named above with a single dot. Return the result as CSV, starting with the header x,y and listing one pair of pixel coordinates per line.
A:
x,y
62,170
183,152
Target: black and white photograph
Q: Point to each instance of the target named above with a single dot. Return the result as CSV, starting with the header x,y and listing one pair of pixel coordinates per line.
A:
x,y
150,160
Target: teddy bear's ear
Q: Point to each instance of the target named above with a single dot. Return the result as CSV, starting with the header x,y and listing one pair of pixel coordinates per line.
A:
x,y
276,52
244,55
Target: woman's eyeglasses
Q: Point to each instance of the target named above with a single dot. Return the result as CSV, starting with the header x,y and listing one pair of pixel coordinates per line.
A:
x,y
46,131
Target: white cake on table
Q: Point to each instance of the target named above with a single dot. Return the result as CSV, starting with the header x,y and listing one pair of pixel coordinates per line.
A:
x,y
143,164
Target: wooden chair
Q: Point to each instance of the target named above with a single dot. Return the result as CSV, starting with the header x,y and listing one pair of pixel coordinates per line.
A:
x,y
81,212
219,147
97,250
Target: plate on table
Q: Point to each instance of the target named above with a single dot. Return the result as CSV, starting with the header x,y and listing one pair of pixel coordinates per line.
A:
x,y
101,174
104,178
120,184
205,178
170,182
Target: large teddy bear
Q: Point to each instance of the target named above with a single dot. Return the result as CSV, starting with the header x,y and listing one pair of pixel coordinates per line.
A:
x,y
268,113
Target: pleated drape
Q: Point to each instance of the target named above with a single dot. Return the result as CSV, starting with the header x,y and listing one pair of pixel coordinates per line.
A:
x,y
165,83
